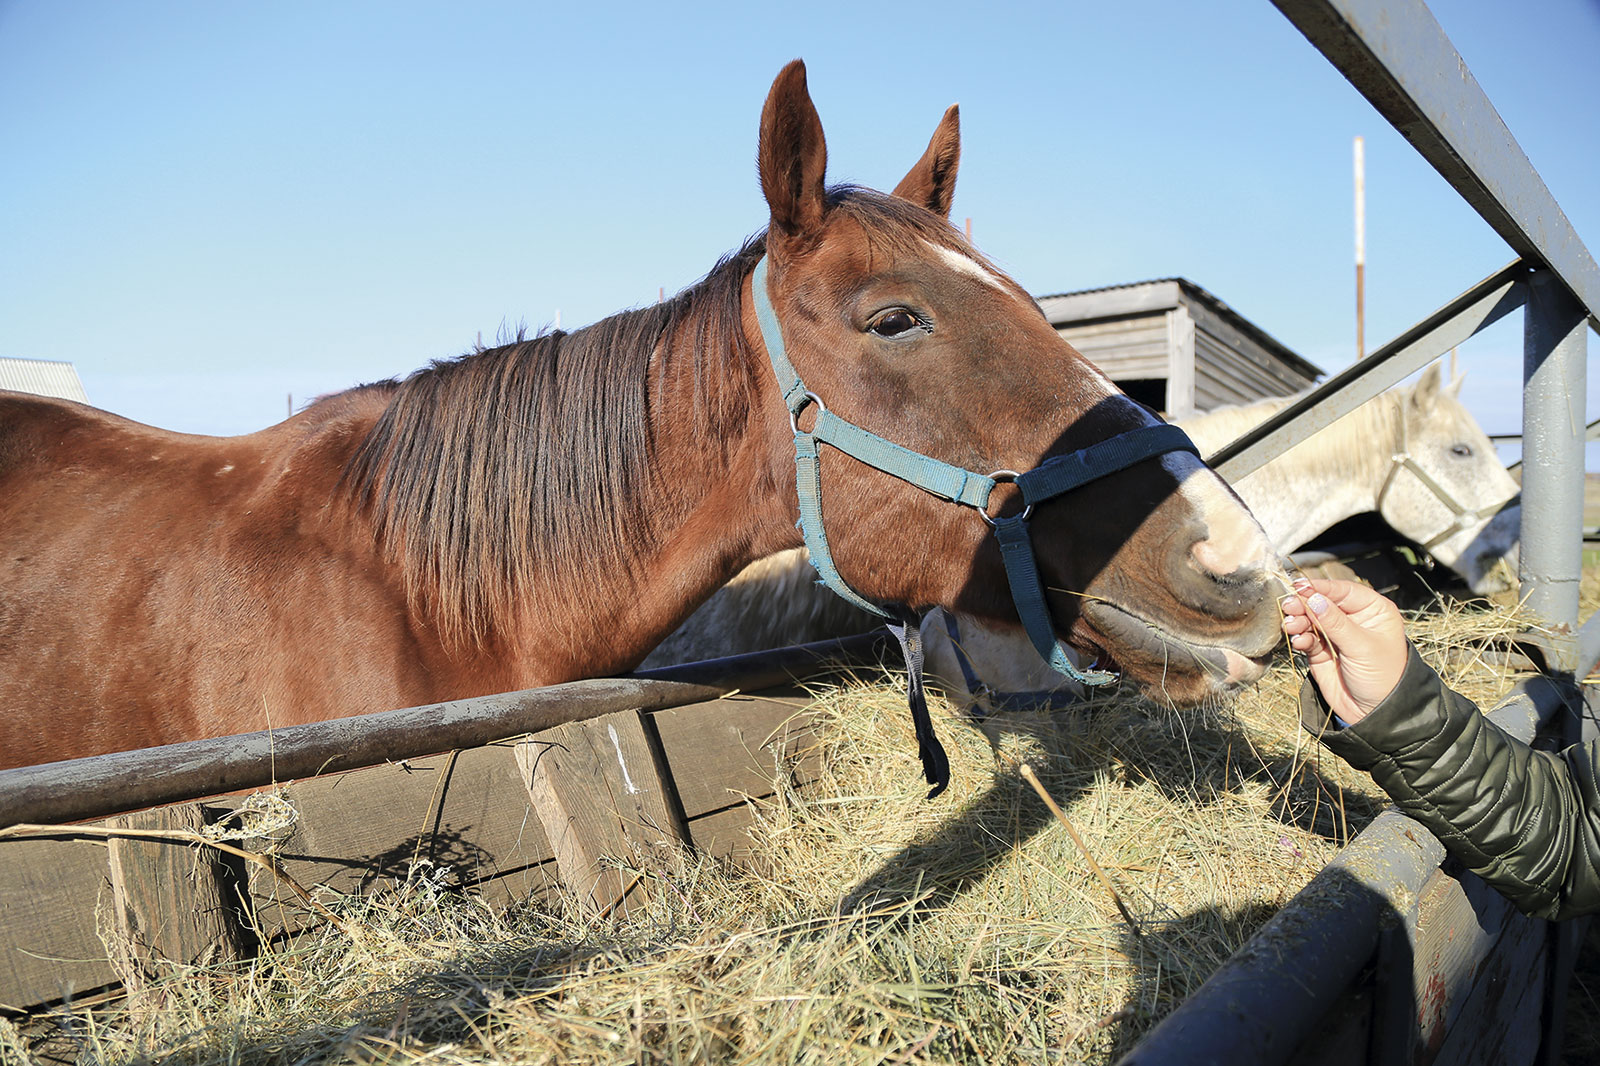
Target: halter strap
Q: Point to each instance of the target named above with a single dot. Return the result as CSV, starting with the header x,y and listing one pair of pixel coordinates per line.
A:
x,y
1463,517
986,695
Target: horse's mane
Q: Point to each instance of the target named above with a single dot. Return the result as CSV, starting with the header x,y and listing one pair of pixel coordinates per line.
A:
x,y
1346,445
511,468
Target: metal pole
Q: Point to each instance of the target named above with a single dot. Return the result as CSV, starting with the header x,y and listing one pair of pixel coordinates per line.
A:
x,y
1554,343
1554,338
1479,307
1361,247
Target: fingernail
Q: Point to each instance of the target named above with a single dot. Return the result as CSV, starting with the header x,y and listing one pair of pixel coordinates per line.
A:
x,y
1288,601
1318,603
1302,583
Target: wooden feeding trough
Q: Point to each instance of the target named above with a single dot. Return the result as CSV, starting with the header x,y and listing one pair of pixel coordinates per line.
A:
x,y
582,786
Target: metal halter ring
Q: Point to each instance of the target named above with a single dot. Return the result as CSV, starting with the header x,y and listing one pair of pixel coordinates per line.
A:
x,y
810,398
1001,477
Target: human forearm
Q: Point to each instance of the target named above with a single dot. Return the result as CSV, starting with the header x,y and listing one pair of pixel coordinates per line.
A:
x,y
1526,821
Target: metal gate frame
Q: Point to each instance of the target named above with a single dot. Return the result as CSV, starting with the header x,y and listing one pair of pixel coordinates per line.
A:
x,y
1272,1001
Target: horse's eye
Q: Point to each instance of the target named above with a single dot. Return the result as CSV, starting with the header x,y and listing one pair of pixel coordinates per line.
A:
x,y
894,323
1461,451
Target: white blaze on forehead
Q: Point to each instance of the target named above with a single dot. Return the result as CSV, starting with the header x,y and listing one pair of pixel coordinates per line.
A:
x,y
966,265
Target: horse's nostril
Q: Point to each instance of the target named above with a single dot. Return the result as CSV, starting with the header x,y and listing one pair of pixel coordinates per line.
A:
x,y
1229,566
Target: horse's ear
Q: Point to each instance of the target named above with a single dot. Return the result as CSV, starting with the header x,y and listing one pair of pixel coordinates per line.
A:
x,y
1426,394
792,156
932,182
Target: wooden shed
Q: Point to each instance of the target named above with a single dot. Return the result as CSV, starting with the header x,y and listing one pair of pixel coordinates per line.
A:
x,y
1175,347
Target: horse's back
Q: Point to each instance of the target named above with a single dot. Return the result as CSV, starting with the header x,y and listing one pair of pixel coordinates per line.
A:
x,y
156,586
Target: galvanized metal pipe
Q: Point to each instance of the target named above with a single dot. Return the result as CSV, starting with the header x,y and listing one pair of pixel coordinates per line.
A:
x,y
1476,309
1555,334
1396,55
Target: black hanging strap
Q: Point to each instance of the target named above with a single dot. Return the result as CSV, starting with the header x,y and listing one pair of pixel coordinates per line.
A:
x,y
907,628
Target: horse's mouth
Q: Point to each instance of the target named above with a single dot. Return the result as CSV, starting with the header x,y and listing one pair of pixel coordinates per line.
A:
x,y
1156,657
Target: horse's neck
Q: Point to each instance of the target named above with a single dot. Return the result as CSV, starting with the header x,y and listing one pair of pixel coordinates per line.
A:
x,y
563,503
1321,481
712,506
718,508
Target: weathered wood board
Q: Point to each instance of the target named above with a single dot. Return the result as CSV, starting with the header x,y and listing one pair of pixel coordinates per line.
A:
x,y
50,950
169,903
1463,985
467,818
601,791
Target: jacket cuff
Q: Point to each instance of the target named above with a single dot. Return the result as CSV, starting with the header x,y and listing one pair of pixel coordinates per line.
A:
x,y
1410,715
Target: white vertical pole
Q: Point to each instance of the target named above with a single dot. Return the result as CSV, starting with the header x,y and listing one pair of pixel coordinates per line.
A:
x,y
1361,246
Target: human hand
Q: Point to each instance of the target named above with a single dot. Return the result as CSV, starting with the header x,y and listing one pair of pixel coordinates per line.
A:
x,y
1354,640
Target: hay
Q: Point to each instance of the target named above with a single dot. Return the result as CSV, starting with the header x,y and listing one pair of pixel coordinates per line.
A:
x,y
877,928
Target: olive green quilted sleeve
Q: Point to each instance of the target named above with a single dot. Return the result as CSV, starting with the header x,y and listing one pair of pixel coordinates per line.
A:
x,y
1526,821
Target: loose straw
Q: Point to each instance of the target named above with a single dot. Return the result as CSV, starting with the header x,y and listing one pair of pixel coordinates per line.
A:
x,y
1083,849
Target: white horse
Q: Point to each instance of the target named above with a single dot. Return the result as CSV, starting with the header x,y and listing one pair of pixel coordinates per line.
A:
x,y
1381,457
1415,456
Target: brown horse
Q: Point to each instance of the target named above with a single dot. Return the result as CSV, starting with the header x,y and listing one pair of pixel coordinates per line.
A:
x,y
550,509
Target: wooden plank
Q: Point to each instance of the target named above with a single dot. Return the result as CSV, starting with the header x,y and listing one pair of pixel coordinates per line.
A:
x,y
725,834
468,814
606,805
1221,381
1180,363
1150,296
1114,331
723,750
1224,333
169,899
1247,347
463,818
1225,365
1479,970
49,891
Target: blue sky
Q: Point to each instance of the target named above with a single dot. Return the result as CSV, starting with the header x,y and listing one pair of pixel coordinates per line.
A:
x,y
211,207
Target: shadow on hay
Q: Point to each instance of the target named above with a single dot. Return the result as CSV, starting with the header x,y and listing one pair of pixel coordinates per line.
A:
x,y
1332,991
1196,757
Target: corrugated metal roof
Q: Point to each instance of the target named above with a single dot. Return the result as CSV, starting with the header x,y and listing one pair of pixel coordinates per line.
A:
x,y
1124,285
42,377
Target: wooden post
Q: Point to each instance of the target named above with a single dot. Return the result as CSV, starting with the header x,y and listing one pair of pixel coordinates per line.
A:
x,y
170,902
606,803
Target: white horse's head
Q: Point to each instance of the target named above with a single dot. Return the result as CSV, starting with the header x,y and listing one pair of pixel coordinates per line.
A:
x,y
1447,490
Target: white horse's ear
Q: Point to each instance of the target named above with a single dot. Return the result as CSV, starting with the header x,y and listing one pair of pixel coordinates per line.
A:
x,y
1426,394
1453,390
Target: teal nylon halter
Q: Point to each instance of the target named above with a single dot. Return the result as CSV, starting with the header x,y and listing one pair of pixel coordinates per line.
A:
x,y
1053,477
